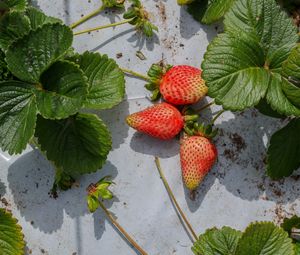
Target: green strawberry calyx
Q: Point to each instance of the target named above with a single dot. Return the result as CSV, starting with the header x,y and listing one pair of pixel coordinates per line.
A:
x,y
98,191
155,73
190,116
200,129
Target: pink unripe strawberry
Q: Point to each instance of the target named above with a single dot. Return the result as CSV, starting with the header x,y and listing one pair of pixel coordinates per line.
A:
x,y
182,85
162,120
197,156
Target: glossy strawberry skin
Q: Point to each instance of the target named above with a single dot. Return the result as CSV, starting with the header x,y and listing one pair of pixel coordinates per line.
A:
x,y
183,85
162,121
197,156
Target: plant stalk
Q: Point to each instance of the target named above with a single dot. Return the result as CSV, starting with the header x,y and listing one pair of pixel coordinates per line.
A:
x,y
122,230
205,106
138,75
217,116
170,192
87,17
103,27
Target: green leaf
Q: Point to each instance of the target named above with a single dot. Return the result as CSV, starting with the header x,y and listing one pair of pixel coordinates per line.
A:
x,y
13,5
291,67
17,115
284,151
264,108
105,194
272,27
30,56
277,98
244,64
13,25
63,91
209,11
93,203
265,239
11,237
5,74
79,144
106,80
289,224
297,248
38,18
233,71
217,242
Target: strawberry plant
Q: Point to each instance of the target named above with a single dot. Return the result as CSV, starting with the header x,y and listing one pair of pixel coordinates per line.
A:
x,y
11,237
51,86
255,63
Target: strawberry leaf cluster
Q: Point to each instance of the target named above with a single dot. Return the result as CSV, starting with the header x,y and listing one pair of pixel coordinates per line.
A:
x,y
98,191
256,63
140,18
260,238
52,86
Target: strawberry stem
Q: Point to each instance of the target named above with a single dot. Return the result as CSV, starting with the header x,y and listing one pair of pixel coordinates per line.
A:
x,y
205,106
193,117
122,230
170,192
217,116
138,75
87,17
102,27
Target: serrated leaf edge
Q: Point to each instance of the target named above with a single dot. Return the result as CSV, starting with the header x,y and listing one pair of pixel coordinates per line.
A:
x,y
35,30
22,243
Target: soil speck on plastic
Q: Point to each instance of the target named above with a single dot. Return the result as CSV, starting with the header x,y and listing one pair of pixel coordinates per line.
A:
x,y
162,11
238,141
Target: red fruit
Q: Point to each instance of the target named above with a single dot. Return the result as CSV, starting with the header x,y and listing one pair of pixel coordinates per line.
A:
x,y
162,120
183,85
197,156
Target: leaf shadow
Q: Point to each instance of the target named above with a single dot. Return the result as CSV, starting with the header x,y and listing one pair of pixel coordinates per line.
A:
x,y
115,120
108,41
141,40
30,179
187,30
147,145
2,189
242,147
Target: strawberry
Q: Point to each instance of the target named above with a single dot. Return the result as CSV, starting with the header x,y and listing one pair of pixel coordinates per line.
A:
x,y
197,156
179,85
162,120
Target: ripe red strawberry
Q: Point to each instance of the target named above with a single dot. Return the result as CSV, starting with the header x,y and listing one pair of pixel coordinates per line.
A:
x,y
197,156
162,120
182,85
